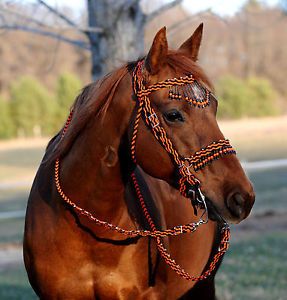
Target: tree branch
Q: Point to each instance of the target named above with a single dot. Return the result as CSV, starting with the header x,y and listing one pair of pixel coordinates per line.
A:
x,y
22,16
162,9
130,3
125,7
208,13
53,35
84,30
58,14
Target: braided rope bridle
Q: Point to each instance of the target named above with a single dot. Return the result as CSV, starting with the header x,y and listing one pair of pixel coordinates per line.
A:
x,y
187,180
188,184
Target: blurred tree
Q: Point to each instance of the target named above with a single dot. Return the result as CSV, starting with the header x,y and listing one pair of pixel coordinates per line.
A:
x,y
253,97
68,86
32,107
122,36
262,98
233,97
115,29
7,129
252,5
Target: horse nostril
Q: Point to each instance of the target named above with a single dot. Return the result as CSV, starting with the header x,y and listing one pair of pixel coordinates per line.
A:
x,y
235,204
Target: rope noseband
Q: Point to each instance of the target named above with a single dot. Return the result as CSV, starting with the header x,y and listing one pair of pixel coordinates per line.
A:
x,y
188,184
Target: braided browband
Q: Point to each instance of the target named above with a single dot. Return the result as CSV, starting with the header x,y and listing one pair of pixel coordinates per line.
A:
x,y
165,84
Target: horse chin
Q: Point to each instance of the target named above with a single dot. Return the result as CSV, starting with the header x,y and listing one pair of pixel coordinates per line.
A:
x,y
218,215
213,212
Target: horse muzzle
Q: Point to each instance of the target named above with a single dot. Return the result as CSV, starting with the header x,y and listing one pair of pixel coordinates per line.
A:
x,y
236,207
239,205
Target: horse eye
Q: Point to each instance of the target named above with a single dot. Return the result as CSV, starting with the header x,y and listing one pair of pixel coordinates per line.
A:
x,y
174,116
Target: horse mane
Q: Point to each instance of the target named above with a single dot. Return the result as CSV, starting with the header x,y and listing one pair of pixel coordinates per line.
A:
x,y
95,98
93,101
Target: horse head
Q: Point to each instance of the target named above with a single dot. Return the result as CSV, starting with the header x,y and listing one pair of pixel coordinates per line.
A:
x,y
181,103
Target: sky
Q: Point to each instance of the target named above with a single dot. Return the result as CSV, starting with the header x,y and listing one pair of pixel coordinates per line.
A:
x,y
221,7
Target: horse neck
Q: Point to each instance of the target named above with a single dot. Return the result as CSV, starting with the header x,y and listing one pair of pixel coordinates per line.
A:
x,y
90,172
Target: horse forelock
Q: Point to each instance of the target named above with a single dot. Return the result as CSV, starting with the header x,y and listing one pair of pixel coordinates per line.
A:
x,y
181,63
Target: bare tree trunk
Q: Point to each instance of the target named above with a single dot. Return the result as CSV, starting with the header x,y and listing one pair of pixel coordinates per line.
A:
x,y
122,38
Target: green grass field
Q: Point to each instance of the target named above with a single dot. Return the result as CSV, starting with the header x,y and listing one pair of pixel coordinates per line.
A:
x,y
255,267
19,163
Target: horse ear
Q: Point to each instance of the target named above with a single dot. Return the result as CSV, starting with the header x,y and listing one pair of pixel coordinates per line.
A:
x,y
191,46
157,53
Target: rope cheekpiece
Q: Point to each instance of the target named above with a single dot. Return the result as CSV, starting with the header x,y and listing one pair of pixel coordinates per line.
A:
x,y
187,180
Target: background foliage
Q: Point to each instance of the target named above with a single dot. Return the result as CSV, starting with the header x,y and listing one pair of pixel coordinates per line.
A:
x,y
6,123
31,110
252,97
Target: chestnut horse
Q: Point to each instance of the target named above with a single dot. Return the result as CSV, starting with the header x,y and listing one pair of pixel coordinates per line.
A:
x,y
74,247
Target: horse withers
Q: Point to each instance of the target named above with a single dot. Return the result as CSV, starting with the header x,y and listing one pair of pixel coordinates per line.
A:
x,y
119,206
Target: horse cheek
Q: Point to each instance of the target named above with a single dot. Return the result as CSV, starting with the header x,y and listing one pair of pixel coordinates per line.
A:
x,y
151,156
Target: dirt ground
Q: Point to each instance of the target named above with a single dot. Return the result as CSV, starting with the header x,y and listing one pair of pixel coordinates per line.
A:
x,y
23,143
254,127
